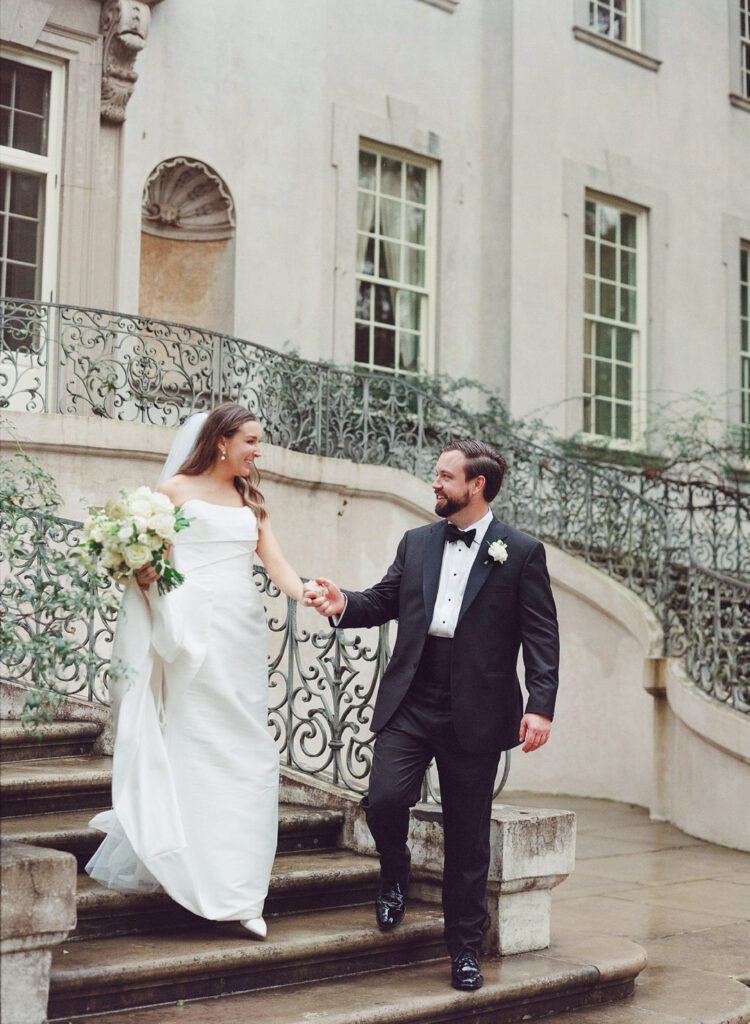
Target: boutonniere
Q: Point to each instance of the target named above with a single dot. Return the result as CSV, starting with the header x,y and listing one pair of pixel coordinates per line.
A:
x,y
498,552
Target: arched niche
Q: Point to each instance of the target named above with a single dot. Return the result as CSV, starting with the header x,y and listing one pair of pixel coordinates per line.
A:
x,y
188,245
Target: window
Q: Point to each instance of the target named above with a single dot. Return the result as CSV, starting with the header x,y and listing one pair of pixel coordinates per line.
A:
x,y
613,19
613,318
745,346
745,48
394,262
29,166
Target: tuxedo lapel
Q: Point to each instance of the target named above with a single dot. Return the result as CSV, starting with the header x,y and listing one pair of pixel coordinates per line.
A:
x,y
482,567
434,546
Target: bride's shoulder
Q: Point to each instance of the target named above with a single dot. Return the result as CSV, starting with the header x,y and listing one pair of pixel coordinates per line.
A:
x,y
174,487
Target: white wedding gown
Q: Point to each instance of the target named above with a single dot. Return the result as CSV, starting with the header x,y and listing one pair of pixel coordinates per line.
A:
x,y
195,770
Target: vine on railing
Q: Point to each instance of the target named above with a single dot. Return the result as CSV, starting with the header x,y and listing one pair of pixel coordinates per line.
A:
x,y
73,360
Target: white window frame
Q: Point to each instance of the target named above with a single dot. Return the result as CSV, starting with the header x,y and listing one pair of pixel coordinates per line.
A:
x,y
49,166
744,8
632,22
745,355
426,361
639,378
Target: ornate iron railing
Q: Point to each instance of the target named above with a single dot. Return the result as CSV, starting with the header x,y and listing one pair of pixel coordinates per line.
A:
x,y
73,360
322,683
718,636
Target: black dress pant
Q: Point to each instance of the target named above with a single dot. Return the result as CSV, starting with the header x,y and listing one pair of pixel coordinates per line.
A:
x,y
422,730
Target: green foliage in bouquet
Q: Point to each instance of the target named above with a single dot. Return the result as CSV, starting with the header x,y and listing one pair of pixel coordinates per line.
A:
x,y
48,601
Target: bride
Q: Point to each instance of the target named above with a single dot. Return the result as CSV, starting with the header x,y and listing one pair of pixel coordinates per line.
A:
x,y
195,770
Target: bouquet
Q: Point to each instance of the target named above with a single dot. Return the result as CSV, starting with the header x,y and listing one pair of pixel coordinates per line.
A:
x,y
133,531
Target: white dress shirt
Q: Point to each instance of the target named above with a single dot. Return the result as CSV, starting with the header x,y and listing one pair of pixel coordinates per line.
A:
x,y
454,575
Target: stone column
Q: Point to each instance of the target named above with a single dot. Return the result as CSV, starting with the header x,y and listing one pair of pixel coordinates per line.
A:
x,y
532,851
38,910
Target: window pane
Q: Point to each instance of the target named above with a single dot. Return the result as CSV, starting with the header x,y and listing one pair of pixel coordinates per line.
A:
x,y
389,264
590,219
4,127
608,262
604,341
390,176
22,240
24,194
603,377
623,386
623,417
367,164
32,89
408,351
627,305
361,344
364,301
588,336
390,218
384,313
416,179
413,266
608,218
627,267
590,257
409,307
366,212
385,347
624,351
607,300
587,376
627,226
21,282
4,182
414,225
365,255
7,69
589,299
602,418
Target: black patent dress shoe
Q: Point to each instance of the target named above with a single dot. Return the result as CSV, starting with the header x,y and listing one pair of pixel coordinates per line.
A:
x,y
465,973
390,906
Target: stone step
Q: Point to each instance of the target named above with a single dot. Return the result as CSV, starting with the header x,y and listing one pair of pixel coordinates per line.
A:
x,y
58,739
55,784
301,829
98,975
300,882
523,987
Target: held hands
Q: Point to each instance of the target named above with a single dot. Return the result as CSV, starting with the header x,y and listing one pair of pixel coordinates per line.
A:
x,y
325,597
535,730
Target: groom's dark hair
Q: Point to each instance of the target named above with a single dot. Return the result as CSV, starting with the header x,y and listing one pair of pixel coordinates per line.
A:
x,y
481,460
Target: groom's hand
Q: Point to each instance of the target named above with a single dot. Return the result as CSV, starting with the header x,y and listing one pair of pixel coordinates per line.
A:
x,y
535,730
330,601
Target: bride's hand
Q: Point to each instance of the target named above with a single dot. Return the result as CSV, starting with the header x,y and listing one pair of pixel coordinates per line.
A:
x,y
146,576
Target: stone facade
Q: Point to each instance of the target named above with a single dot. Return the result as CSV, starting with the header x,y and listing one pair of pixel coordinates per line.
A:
x,y
519,107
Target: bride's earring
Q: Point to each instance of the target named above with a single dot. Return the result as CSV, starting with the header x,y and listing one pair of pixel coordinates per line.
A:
x,y
223,456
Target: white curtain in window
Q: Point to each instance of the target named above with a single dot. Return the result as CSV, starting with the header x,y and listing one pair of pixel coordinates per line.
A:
x,y
365,222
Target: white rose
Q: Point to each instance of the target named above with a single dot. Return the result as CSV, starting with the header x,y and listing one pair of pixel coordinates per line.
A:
x,y
162,523
139,507
116,509
136,555
498,551
125,532
97,533
111,559
162,503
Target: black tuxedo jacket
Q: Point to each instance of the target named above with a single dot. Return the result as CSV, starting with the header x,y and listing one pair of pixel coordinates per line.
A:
x,y
505,606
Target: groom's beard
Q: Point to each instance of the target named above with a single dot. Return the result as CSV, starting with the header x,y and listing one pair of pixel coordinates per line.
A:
x,y
450,506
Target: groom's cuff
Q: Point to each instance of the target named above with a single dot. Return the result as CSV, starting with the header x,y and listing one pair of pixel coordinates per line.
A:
x,y
335,619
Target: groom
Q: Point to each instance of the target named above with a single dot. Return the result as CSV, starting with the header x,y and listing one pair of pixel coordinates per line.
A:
x,y
468,592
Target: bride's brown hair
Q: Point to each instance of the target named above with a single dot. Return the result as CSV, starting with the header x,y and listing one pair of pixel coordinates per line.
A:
x,y
224,421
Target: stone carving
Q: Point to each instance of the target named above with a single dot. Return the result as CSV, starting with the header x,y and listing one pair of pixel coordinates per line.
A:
x,y
186,199
125,24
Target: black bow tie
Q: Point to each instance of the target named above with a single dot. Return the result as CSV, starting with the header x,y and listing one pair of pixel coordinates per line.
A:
x,y
453,534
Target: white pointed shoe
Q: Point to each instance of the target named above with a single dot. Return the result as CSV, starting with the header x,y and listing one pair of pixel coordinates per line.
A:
x,y
256,926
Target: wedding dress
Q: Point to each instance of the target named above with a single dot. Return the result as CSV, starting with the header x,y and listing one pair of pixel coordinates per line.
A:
x,y
195,769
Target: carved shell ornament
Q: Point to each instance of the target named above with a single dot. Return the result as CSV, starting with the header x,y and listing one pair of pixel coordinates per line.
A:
x,y
186,199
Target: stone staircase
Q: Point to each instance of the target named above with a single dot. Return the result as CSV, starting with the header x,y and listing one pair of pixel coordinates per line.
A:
x,y
141,959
